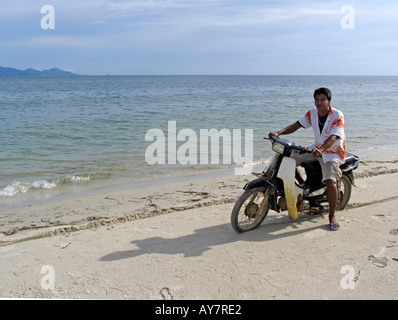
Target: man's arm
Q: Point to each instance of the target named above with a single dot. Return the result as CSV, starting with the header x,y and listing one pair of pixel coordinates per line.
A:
x,y
288,130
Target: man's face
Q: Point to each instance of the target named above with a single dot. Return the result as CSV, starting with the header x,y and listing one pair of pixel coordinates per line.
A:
x,y
322,102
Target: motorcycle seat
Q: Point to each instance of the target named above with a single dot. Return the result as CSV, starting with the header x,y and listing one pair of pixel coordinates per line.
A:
x,y
349,160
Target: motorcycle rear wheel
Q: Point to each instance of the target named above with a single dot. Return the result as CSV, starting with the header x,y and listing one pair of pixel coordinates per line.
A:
x,y
344,189
250,210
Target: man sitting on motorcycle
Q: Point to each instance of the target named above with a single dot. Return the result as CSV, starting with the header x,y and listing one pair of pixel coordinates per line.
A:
x,y
329,147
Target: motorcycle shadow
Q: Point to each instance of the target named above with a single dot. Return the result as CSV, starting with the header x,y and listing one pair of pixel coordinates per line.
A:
x,y
202,240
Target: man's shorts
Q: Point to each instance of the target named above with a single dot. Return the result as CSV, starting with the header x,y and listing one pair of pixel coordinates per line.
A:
x,y
330,170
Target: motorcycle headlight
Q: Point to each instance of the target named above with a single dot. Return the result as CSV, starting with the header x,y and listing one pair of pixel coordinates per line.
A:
x,y
277,147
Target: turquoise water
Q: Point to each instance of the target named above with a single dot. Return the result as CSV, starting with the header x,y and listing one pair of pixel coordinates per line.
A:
x,y
67,134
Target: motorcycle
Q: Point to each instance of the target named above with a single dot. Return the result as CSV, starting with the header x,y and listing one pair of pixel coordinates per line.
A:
x,y
283,186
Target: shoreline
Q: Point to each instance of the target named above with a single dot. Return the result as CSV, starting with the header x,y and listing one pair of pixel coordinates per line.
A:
x,y
121,203
112,184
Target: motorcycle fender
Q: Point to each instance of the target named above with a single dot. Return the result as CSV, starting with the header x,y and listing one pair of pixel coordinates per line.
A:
x,y
350,176
257,183
287,174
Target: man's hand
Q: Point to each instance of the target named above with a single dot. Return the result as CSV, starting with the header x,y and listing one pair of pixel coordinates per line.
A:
x,y
273,134
316,153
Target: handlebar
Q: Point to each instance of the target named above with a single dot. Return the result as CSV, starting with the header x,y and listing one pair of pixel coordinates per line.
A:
x,y
286,143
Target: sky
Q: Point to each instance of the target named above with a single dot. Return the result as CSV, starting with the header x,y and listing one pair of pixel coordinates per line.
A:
x,y
167,37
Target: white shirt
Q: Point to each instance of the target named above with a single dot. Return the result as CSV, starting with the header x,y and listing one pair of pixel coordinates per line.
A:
x,y
334,125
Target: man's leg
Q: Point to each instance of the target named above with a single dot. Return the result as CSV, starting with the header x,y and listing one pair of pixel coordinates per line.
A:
x,y
332,198
331,174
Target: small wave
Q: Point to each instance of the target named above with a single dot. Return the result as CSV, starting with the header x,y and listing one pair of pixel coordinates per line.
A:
x,y
23,187
18,187
73,179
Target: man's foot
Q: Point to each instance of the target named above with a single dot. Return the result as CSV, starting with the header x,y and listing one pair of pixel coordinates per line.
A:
x,y
334,226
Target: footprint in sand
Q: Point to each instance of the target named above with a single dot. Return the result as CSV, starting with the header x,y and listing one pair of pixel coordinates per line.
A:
x,y
394,232
378,260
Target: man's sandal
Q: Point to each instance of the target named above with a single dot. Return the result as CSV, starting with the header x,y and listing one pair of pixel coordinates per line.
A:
x,y
334,226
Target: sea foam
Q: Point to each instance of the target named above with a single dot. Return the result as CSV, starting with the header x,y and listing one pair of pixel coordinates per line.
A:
x,y
18,187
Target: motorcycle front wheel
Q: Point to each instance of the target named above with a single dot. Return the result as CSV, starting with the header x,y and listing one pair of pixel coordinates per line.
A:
x,y
250,210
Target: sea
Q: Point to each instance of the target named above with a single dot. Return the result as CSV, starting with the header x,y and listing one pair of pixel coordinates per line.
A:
x,y
62,136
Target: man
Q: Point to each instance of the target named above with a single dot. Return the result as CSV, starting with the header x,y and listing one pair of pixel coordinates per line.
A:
x,y
329,147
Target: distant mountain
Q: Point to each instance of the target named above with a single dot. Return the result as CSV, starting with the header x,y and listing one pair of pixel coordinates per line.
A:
x,y
12,72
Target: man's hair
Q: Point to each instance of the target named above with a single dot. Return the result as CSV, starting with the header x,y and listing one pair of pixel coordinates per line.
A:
x,y
324,91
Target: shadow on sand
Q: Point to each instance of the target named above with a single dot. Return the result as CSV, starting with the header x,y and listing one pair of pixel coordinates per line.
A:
x,y
204,239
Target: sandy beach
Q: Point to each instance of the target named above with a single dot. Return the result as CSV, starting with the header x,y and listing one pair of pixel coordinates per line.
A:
x,y
174,241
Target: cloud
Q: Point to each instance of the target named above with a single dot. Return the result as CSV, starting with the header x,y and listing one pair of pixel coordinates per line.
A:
x,y
132,6
197,34
50,41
